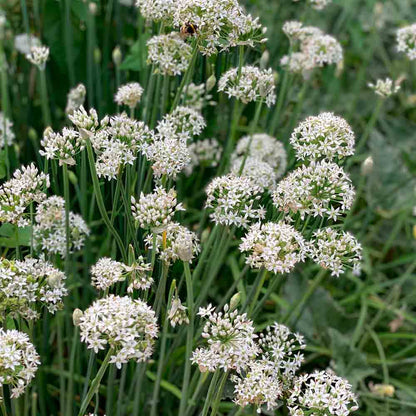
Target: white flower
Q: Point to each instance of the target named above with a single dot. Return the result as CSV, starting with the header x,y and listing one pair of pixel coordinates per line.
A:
x,y
7,135
127,326
261,173
319,189
49,232
129,94
277,247
83,119
157,9
406,41
177,312
265,148
156,209
206,153
18,361
169,53
26,286
174,243
319,4
196,96
321,392
24,42
38,56
26,186
253,84
75,98
323,136
184,120
335,250
234,200
62,146
385,88
230,341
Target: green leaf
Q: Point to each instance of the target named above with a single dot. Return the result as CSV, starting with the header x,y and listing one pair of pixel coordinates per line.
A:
x,y
8,236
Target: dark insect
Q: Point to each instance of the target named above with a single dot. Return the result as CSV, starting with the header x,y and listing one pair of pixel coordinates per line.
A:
x,y
188,29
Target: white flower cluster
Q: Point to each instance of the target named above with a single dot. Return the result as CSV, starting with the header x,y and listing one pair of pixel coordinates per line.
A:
x,y
26,286
234,200
319,4
385,88
206,153
335,250
84,120
230,341
49,232
321,392
315,48
7,135
175,242
26,186
169,152
220,24
265,148
106,272
24,42
260,172
129,94
62,146
155,210
117,143
277,247
169,53
197,96
319,189
406,41
323,136
268,376
18,361
128,326
75,98
252,84
177,314
38,56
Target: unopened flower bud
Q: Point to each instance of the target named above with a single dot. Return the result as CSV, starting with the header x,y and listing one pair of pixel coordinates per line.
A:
x,y
54,279
211,81
32,134
76,316
92,7
117,56
97,55
264,60
235,301
367,166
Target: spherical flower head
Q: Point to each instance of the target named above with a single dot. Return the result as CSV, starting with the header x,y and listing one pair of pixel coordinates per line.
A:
x,y
220,24
27,186
252,84
320,189
106,272
117,142
234,200
18,361
138,275
335,250
230,341
197,96
321,392
324,136
264,147
295,30
7,135
157,10
184,120
319,4
155,210
24,42
385,88
49,232
83,119
62,146
75,98
277,247
127,326
129,94
205,153
38,56
284,349
297,63
323,50
177,314
261,173
174,243
169,54
28,286
406,41
259,386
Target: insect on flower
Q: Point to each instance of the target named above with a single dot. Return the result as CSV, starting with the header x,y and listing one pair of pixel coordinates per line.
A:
x,y
188,29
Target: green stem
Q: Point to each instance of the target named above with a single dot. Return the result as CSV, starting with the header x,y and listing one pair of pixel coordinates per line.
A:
x,y
220,389
68,42
60,343
70,395
189,338
44,99
67,202
4,101
95,383
281,100
211,392
264,274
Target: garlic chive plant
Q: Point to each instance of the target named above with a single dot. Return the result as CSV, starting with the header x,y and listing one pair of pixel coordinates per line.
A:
x,y
203,221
